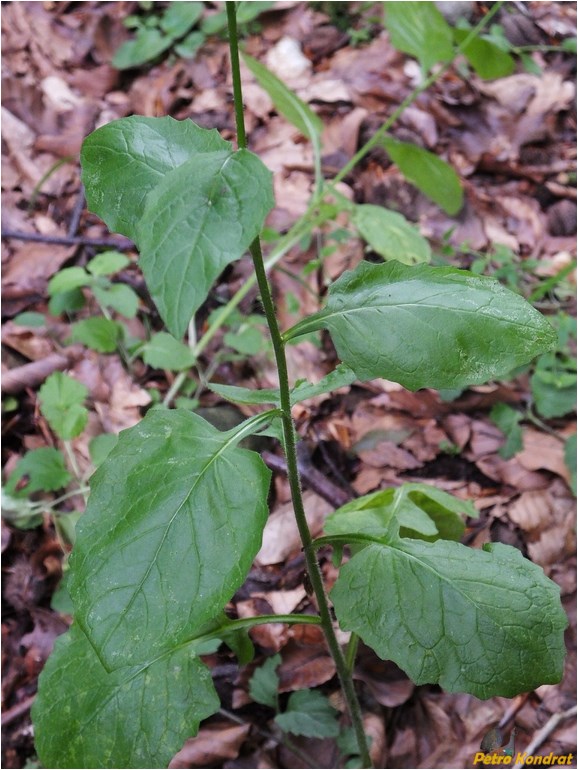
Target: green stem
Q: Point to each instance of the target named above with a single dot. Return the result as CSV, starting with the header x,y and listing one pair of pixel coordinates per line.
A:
x,y
313,567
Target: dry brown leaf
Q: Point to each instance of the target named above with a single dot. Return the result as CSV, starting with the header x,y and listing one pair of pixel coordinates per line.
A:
x,y
117,398
304,667
386,454
214,744
532,511
543,452
512,473
32,343
270,636
281,536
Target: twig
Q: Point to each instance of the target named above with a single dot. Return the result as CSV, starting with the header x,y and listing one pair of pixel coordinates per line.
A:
x,y
33,374
76,213
311,477
18,710
124,244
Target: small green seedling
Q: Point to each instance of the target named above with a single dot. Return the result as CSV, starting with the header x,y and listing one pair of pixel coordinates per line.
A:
x,y
65,290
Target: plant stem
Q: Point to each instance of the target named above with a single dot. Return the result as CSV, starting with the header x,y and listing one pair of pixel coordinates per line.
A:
x,y
67,444
313,567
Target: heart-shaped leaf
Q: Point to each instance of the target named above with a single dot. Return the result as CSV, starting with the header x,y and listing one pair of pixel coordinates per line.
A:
x,y
136,716
123,160
173,522
486,622
428,327
199,218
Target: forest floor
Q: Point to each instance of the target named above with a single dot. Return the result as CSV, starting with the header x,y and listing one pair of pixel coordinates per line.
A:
x,y
512,141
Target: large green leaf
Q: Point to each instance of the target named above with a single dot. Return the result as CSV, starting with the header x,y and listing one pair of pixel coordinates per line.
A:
x,y
424,326
486,622
137,716
123,160
199,218
391,235
174,520
430,174
420,30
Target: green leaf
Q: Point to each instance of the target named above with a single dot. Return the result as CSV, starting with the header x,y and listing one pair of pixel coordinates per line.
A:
x,y
570,460
134,717
147,45
107,263
569,44
553,386
420,30
45,470
198,219
246,395
391,235
125,159
119,297
340,377
347,743
508,421
488,60
101,446
484,622
430,174
67,279
61,400
264,684
180,17
309,713
163,351
173,522
427,326
65,524
35,320
189,46
286,102
247,340
100,334
247,10
420,510
66,302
